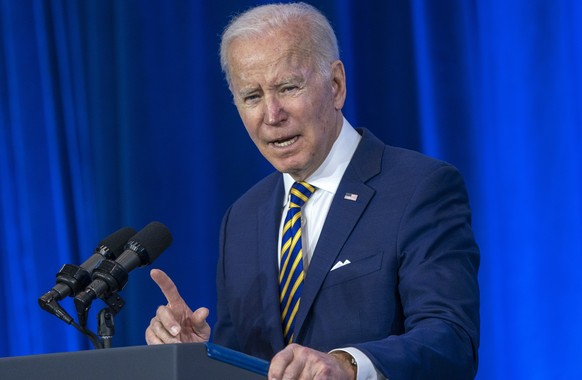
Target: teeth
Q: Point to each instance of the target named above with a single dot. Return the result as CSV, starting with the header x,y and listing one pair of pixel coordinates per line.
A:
x,y
283,144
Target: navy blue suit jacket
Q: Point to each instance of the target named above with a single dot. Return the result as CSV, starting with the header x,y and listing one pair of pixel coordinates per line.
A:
x,y
409,298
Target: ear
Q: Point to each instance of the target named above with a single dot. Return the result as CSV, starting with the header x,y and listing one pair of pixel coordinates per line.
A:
x,y
338,84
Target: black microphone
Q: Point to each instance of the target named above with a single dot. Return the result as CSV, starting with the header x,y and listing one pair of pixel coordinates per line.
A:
x,y
72,279
111,276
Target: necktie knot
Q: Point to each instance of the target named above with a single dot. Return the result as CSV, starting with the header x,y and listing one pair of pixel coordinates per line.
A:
x,y
300,193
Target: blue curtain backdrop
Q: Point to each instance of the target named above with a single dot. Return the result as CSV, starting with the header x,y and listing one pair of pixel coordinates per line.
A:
x,y
114,113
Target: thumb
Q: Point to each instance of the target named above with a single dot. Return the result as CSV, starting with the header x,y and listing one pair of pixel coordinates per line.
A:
x,y
200,315
201,327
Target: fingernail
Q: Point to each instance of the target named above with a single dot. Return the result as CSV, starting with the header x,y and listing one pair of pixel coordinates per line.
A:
x,y
175,330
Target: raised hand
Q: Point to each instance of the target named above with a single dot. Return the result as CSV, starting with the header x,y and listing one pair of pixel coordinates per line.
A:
x,y
176,322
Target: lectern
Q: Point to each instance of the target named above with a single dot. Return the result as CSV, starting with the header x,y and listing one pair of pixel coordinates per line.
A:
x,y
190,361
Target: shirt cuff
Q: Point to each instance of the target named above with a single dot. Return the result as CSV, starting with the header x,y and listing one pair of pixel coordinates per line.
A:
x,y
366,369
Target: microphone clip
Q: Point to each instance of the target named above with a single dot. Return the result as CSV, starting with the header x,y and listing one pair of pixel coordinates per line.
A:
x,y
108,278
73,276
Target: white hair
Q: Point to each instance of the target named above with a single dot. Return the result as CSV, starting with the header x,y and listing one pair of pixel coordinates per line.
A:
x,y
259,21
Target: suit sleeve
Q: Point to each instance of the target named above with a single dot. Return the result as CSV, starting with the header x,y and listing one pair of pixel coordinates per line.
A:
x,y
438,265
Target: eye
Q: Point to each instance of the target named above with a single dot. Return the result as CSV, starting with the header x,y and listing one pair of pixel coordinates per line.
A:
x,y
251,98
289,88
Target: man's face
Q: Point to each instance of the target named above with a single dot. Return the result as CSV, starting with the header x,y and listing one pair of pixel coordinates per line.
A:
x,y
292,114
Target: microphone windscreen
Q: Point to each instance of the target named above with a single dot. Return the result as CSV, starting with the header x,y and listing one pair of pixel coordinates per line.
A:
x,y
113,245
154,239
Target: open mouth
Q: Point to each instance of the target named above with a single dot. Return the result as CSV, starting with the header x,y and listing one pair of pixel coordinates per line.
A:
x,y
285,143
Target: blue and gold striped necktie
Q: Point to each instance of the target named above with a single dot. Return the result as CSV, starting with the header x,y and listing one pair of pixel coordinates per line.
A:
x,y
291,268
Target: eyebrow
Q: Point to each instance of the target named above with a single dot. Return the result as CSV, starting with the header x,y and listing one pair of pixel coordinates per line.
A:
x,y
296,79
245,92
293,79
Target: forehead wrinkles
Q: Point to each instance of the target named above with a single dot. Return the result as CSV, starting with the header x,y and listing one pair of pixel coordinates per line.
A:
x,y
286,49
272,68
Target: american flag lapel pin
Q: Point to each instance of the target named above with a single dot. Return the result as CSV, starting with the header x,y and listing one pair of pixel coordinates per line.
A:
x,y
351,197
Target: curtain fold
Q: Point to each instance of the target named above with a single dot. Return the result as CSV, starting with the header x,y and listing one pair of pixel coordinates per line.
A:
x,y
527,202
115,113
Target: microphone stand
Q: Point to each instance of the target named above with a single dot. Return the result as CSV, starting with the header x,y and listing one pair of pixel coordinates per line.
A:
x,y
105,319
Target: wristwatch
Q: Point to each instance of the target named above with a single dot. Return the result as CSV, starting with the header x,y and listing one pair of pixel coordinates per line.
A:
x,y
348,358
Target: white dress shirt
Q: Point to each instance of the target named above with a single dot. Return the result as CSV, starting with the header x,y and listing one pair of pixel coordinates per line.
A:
x,y
326,180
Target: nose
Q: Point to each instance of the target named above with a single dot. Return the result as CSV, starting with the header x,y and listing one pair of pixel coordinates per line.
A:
x,y
274,112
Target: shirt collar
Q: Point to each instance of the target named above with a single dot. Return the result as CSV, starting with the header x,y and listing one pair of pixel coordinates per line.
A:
x,y
329,174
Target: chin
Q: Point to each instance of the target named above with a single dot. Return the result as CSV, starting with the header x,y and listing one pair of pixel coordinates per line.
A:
x,y
285,167
291,167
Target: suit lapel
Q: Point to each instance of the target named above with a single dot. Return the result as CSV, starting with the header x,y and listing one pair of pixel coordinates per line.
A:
x,y
341,220
268,229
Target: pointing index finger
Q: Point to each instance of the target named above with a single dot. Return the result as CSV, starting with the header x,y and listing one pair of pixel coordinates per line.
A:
x,y
166,285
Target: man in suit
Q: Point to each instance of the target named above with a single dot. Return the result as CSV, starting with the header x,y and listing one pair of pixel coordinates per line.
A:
x,y
378,278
